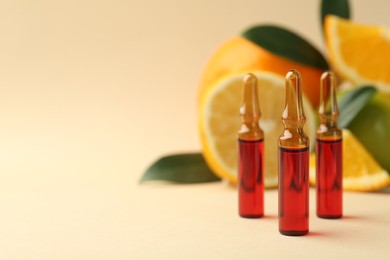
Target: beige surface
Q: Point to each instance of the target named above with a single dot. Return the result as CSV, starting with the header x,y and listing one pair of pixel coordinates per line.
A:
x,y
117,220
91,92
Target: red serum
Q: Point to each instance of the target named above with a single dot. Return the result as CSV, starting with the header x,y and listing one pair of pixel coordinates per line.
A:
x,y
250,154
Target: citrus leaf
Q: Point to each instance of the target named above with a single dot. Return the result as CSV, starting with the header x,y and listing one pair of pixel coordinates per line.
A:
x,y
351,103
286,44
180,168
336,7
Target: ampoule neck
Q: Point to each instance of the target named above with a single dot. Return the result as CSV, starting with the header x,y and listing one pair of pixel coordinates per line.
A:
x,y
250,110
294,124
293,116
329,121
328,109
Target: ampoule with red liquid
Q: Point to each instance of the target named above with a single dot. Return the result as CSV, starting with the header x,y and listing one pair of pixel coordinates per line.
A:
x,y
329,161
293,163
250,153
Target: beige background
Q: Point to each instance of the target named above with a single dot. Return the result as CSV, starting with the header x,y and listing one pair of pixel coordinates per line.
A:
x,y
91,92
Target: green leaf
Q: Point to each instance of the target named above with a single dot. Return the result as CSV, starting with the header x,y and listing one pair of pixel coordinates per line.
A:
x,y
286,44
180,168
351,103
336,7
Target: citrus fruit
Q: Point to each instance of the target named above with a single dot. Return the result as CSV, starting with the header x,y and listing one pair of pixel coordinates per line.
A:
x,y
372,128
360,170
241,55
359,53
219,122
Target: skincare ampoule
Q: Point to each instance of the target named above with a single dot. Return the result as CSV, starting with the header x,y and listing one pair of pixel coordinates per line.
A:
x,y
250,153
293,163
329,160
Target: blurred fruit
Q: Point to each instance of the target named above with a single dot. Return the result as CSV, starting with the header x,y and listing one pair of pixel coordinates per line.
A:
x,y
241,55
359,53
219,123
372,127
360,170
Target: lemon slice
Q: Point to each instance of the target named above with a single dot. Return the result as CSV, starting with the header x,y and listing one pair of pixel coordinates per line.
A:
x,y
219,122
360,171
360,53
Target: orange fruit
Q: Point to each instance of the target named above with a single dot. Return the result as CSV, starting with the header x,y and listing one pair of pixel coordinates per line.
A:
x,y
239,55
359,53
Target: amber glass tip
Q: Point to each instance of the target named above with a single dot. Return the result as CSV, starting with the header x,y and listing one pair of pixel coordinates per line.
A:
x,y
250,110
328,74
249,78
250,99
328,102
293,107
293,74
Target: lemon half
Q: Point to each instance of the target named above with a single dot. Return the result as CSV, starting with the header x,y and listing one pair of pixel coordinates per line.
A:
x,y
219,122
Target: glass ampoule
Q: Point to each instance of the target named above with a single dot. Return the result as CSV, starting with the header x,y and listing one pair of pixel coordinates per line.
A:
x,y
329,143
250,153
293,163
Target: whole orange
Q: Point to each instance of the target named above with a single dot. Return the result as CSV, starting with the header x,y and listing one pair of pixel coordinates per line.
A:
x,y
241,55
